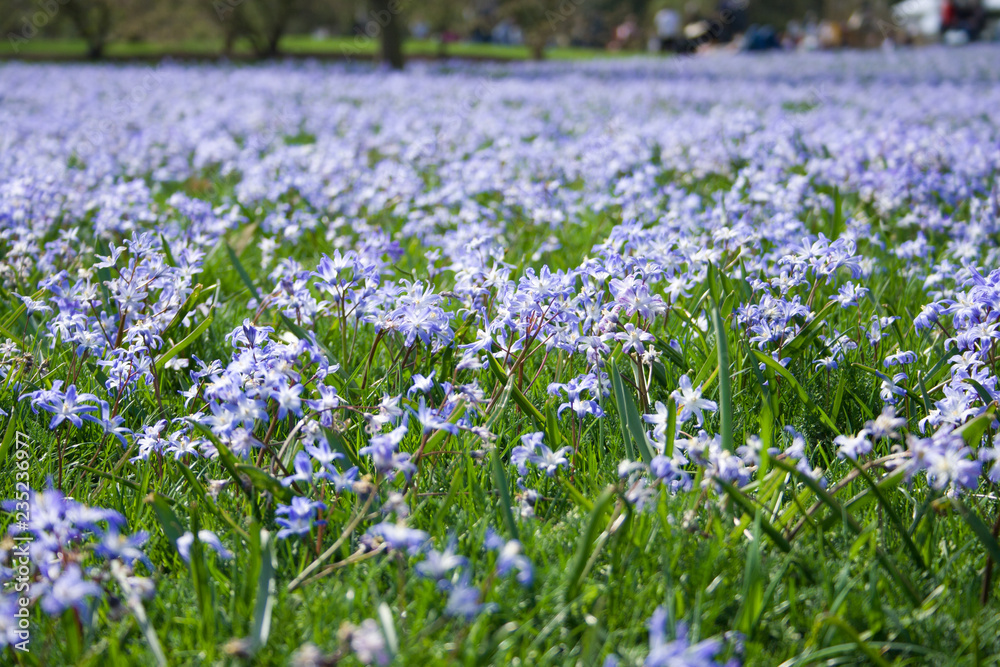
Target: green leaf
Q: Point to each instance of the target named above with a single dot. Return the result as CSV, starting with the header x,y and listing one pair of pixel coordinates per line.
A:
x,y
388,629
182,312
984,395
808,332
753,582
202,584
577,497
668,449
172,526
207,500
231,464
8,436
725,382
866,497
519,398
972,431
891,513
267,591
981,530
503,488
619,396
169,256
235,261
552,423
456,482
187,340
628,414
751,510
127,483
583,547
7,333
838,398
263,480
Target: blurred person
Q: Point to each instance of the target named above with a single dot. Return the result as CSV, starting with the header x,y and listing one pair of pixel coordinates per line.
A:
x,y
862,28
793,35
831,34
668,29
810,32
962,16
420,29
625,34
760,38
693,28
732,19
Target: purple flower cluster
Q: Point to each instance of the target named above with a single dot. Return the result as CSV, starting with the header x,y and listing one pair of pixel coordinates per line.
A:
x,y
411,277
61,554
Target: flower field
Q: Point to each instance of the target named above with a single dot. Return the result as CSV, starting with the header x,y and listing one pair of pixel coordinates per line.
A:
x,y
668,362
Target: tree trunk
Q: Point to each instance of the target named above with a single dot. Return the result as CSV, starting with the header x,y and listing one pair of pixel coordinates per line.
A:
x,y
230,41
272,46
94,30
386,13
537,46
95,49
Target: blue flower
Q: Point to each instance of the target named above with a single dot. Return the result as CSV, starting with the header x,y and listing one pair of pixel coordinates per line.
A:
x,y
399,537
678,652
510,558
68,591
303,470
463,600
207,538
437,564
65,406
298,517
538,454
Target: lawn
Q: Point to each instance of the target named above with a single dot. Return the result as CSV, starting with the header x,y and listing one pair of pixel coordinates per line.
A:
x,y
612,362
292,45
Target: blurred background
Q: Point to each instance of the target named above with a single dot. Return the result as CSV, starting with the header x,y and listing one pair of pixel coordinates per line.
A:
x,y
392,30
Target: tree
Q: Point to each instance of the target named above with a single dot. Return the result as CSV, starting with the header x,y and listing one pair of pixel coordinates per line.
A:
x,y
162,23
92,20
540,20
261,22
385,20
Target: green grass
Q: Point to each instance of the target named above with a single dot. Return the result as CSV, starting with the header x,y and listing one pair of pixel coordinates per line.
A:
x,y
290,45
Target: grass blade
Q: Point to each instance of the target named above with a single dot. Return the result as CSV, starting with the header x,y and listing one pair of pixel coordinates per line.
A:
x,y
725,382
982,531
628,413
185,342
586,539
751,510
503,488
235,261
267,591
